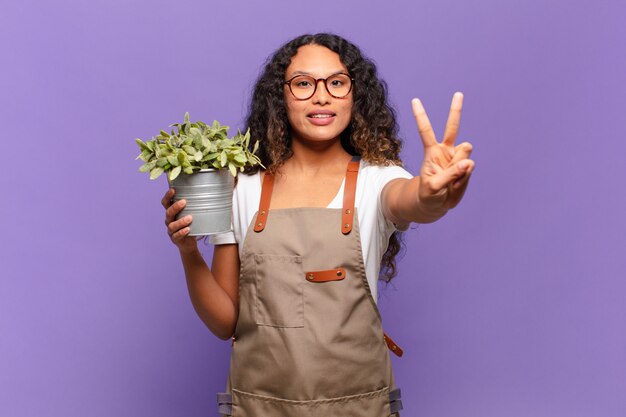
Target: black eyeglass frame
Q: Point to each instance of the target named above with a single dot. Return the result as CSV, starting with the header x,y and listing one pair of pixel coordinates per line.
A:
x,y
317,80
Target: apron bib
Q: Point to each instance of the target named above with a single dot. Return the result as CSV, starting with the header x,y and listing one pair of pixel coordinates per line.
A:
x,y
309,340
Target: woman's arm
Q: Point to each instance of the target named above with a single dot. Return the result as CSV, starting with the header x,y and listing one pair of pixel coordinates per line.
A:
x,y
444,174
213,293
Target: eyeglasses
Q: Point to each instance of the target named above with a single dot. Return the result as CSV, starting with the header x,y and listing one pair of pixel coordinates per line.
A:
x,y
303,87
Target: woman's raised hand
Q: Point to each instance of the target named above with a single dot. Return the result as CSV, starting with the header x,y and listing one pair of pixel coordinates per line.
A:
x,y
446,168
178,229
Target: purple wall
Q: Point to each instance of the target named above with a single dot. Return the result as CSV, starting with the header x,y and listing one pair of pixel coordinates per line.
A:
x,y
512,305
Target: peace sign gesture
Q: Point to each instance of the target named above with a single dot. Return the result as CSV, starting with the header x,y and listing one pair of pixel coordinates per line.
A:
x,y
446,168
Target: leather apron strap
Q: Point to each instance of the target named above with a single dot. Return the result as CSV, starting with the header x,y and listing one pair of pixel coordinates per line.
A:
x,y
349,193
264,205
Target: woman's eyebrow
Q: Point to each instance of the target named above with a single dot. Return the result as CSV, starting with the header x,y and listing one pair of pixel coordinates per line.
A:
x,y
293,74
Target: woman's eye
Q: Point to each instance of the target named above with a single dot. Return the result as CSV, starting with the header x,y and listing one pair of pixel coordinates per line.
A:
x,y
336,83
303,82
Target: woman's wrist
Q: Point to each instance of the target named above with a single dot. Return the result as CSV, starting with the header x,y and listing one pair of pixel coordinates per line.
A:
x,y
188,252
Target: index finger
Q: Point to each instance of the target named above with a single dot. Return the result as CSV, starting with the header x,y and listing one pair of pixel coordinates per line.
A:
x,y
454,119
423,124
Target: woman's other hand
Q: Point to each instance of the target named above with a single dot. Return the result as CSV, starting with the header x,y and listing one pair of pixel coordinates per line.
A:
x,y
446,168
178,229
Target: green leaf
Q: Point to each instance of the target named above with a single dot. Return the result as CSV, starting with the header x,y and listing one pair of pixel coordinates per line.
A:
x,y
223,158
233,169
173,160
145,155
156,173
161,162
142,145
210,156
198,156
189,149
174,173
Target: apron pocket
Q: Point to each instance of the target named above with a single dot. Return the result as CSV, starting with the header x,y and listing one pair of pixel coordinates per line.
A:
x,y
279,290
371,404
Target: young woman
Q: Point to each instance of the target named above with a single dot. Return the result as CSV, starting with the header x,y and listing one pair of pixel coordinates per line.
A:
x,y
294,284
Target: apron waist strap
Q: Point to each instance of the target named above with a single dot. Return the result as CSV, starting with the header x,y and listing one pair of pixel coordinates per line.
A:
x,y
395,402
225,403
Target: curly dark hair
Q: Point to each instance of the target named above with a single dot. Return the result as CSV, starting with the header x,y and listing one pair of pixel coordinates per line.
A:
x,y
371,134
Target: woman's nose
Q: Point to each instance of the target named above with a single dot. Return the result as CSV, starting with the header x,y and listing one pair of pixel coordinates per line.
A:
x,y
321,95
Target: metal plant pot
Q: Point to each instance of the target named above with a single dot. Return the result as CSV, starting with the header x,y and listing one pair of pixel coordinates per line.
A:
x,y
209,196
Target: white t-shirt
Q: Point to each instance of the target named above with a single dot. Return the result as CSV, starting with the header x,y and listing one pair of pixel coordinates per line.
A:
x,y
374,227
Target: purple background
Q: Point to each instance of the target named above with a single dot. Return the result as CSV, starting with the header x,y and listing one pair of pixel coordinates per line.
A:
x,y
512,305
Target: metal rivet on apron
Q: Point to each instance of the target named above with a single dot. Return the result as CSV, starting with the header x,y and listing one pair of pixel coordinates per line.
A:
x,y
310,276
338,273
260,224
263,213
348,211
346,225
393,348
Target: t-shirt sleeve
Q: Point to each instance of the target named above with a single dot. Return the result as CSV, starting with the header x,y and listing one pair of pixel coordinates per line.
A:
x,y
223,238
385,175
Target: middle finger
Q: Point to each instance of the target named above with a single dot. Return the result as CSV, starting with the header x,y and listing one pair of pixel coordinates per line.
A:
x,y
454,119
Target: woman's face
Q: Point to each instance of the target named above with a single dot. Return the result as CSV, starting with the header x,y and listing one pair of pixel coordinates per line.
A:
x,y
321,117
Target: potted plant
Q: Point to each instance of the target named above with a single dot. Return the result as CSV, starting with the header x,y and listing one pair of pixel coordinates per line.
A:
x,y
201,162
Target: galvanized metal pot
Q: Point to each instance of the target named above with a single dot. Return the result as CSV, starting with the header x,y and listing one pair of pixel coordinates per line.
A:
x,y
209,196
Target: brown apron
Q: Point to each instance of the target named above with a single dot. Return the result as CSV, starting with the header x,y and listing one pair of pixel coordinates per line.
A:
x,y
309,340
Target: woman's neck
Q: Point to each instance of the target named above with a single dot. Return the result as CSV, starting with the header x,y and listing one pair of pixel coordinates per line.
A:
x,y
312,157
